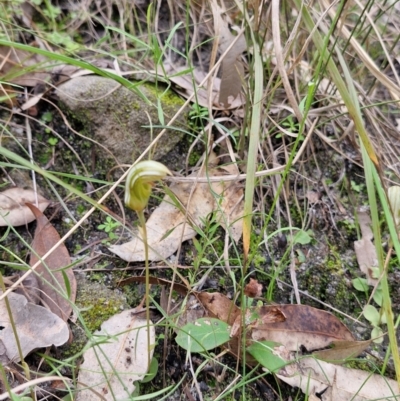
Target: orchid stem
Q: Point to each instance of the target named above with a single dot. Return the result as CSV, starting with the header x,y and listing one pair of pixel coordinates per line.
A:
x,y
142,223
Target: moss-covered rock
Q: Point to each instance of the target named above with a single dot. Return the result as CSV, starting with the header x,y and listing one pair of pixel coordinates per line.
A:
x,y
116,117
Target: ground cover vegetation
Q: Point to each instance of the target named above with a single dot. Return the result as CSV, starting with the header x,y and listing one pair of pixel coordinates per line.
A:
x,y
199,200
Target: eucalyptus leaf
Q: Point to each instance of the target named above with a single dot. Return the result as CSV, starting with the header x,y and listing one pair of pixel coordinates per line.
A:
x,y
203,335
265,353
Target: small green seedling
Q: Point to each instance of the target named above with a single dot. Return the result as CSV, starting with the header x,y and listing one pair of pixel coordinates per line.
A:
x,y
371,313
52,141
109,227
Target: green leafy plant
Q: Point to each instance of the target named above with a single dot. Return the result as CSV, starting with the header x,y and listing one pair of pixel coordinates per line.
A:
x,y
203,335
109,226
371,313
206,334
198,116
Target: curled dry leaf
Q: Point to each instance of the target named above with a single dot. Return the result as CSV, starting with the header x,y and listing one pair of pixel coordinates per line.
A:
x,y
57,290
365,248
118,360
253,289
36,326
219,306
168,224
13,209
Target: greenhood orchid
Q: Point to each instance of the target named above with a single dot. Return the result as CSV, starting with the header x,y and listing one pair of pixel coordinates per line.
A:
x,y
139,183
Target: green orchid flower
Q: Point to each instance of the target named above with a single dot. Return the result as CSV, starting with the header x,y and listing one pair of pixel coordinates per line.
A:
x,y
139,183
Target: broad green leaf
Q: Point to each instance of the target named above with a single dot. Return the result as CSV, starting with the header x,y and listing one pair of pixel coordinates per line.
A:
x,y
153,369
203,335
265,354
378,296
302,237
372,315
377,335
360,284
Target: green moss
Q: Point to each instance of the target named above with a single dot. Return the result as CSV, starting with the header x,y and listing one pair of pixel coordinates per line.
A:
x,y
259,261
168,97
98,303
99,312
194,157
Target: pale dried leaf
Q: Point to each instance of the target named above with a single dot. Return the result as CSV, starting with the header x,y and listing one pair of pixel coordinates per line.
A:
x,y
52,282
365,249
112,367
186,87
232,68
337,383
13,209
16,60
37,328
168,225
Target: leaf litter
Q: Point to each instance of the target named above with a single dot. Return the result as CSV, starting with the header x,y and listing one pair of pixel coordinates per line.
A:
x,y
172,223
13,208
337,383
275,339
117,357
56,280
36,327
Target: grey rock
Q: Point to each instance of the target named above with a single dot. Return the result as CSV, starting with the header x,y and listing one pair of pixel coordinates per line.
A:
x,y
115,116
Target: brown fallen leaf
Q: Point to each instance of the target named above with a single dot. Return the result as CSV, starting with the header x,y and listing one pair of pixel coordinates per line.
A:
x,y
337,383
304,325
36,326
290,325
13,209
223,308
365,249
112,367
168,224
219,306
342,350
56,293
257,316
